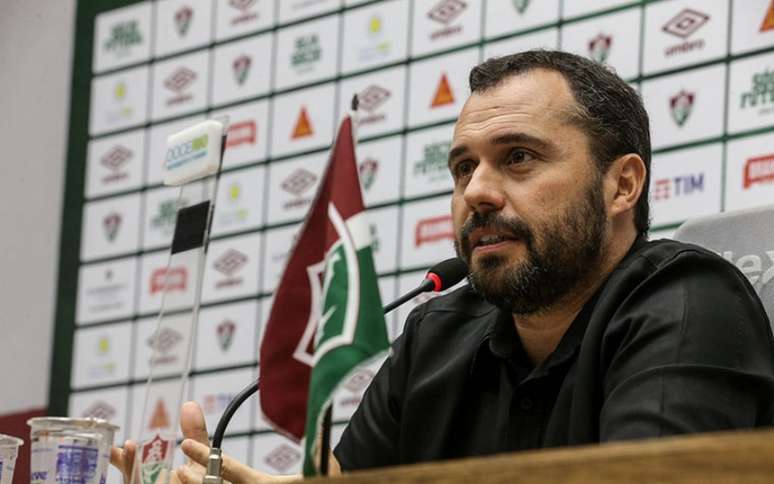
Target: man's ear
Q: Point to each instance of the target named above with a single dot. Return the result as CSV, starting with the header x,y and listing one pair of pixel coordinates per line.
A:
x,y
625,181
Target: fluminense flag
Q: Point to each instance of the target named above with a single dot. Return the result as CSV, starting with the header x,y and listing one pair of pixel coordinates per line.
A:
x,y
327,316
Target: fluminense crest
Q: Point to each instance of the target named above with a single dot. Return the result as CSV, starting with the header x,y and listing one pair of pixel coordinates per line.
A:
x,y
521,6
183,20
111,223
681,105
225,331
241,68
599,47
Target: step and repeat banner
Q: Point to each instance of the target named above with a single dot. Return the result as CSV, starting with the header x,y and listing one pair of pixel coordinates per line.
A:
x,y
285,71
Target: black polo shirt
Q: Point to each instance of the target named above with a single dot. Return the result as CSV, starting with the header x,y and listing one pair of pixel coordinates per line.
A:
x,y
675,341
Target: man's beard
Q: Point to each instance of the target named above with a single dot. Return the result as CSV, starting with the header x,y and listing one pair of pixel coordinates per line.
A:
x,y
570,249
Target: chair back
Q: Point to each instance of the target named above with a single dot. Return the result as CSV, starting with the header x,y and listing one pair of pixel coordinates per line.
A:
x,y
743,237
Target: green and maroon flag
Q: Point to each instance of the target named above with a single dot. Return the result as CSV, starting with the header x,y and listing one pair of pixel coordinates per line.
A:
x,y
327,316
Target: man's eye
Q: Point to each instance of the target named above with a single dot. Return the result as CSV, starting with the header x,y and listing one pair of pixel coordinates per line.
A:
x,y
463,169
518,156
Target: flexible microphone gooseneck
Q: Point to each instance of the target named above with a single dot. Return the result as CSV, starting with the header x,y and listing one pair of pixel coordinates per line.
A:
x,y
440,277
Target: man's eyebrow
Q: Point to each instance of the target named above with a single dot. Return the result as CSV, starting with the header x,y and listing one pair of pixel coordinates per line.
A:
x,y
522,138
455,152
507,139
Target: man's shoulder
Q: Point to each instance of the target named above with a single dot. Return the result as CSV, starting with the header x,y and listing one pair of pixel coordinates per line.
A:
x,y
665,274
659,253
675,277
648,259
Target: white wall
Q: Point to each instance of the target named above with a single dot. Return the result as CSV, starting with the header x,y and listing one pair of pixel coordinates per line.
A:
x,y
36,38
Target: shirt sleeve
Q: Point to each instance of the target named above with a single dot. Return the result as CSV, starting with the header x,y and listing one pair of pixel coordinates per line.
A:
x,y
372,435
690,350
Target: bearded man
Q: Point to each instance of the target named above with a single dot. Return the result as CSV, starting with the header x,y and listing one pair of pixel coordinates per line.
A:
x,y
574,328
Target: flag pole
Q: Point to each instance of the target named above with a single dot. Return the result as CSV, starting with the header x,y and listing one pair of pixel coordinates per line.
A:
x,y
325,446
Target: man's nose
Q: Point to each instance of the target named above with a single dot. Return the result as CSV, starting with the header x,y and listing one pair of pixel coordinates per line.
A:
x,y
484,191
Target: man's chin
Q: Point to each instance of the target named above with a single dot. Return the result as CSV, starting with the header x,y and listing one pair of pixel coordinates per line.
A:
x,y
490,263
491,272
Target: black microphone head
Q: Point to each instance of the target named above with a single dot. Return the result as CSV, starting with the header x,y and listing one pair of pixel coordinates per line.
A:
x,y
447,273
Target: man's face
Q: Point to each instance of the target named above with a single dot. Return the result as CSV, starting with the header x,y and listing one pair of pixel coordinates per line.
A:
x,y
528,208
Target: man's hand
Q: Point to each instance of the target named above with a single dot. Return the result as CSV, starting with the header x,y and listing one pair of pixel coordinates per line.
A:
x,y
232,470
124,458
196,447
193,426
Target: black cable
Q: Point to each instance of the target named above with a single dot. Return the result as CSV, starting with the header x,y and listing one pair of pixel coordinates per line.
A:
x,y
233,405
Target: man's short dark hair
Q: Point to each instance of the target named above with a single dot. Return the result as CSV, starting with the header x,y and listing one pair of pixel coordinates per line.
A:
x,y
608,109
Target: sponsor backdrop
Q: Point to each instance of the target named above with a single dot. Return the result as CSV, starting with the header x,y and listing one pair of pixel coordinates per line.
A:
x,y
285,71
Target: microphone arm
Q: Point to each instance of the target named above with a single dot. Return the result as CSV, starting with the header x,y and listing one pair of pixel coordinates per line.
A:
x,y
215,460
427,285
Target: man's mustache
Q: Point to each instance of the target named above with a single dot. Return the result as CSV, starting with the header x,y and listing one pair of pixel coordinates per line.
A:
x,y
495,222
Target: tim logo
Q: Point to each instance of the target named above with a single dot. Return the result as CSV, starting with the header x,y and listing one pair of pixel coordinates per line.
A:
x,y
667,188
758,170
214,404
433,230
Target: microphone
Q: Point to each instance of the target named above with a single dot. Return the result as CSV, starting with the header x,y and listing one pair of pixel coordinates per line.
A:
x,y
440,277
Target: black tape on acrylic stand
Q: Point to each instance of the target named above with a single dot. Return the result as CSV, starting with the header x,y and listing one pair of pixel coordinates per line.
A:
x,y
191,227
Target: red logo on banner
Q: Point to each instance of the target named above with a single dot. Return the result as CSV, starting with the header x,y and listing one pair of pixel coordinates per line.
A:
x,y
662,189
241,133
759,170
433,229
176,278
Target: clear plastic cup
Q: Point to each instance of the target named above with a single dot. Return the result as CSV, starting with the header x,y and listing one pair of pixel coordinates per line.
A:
x,y
72,450
9,449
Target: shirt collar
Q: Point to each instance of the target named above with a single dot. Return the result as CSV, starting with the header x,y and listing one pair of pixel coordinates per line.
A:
x,y
501,342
